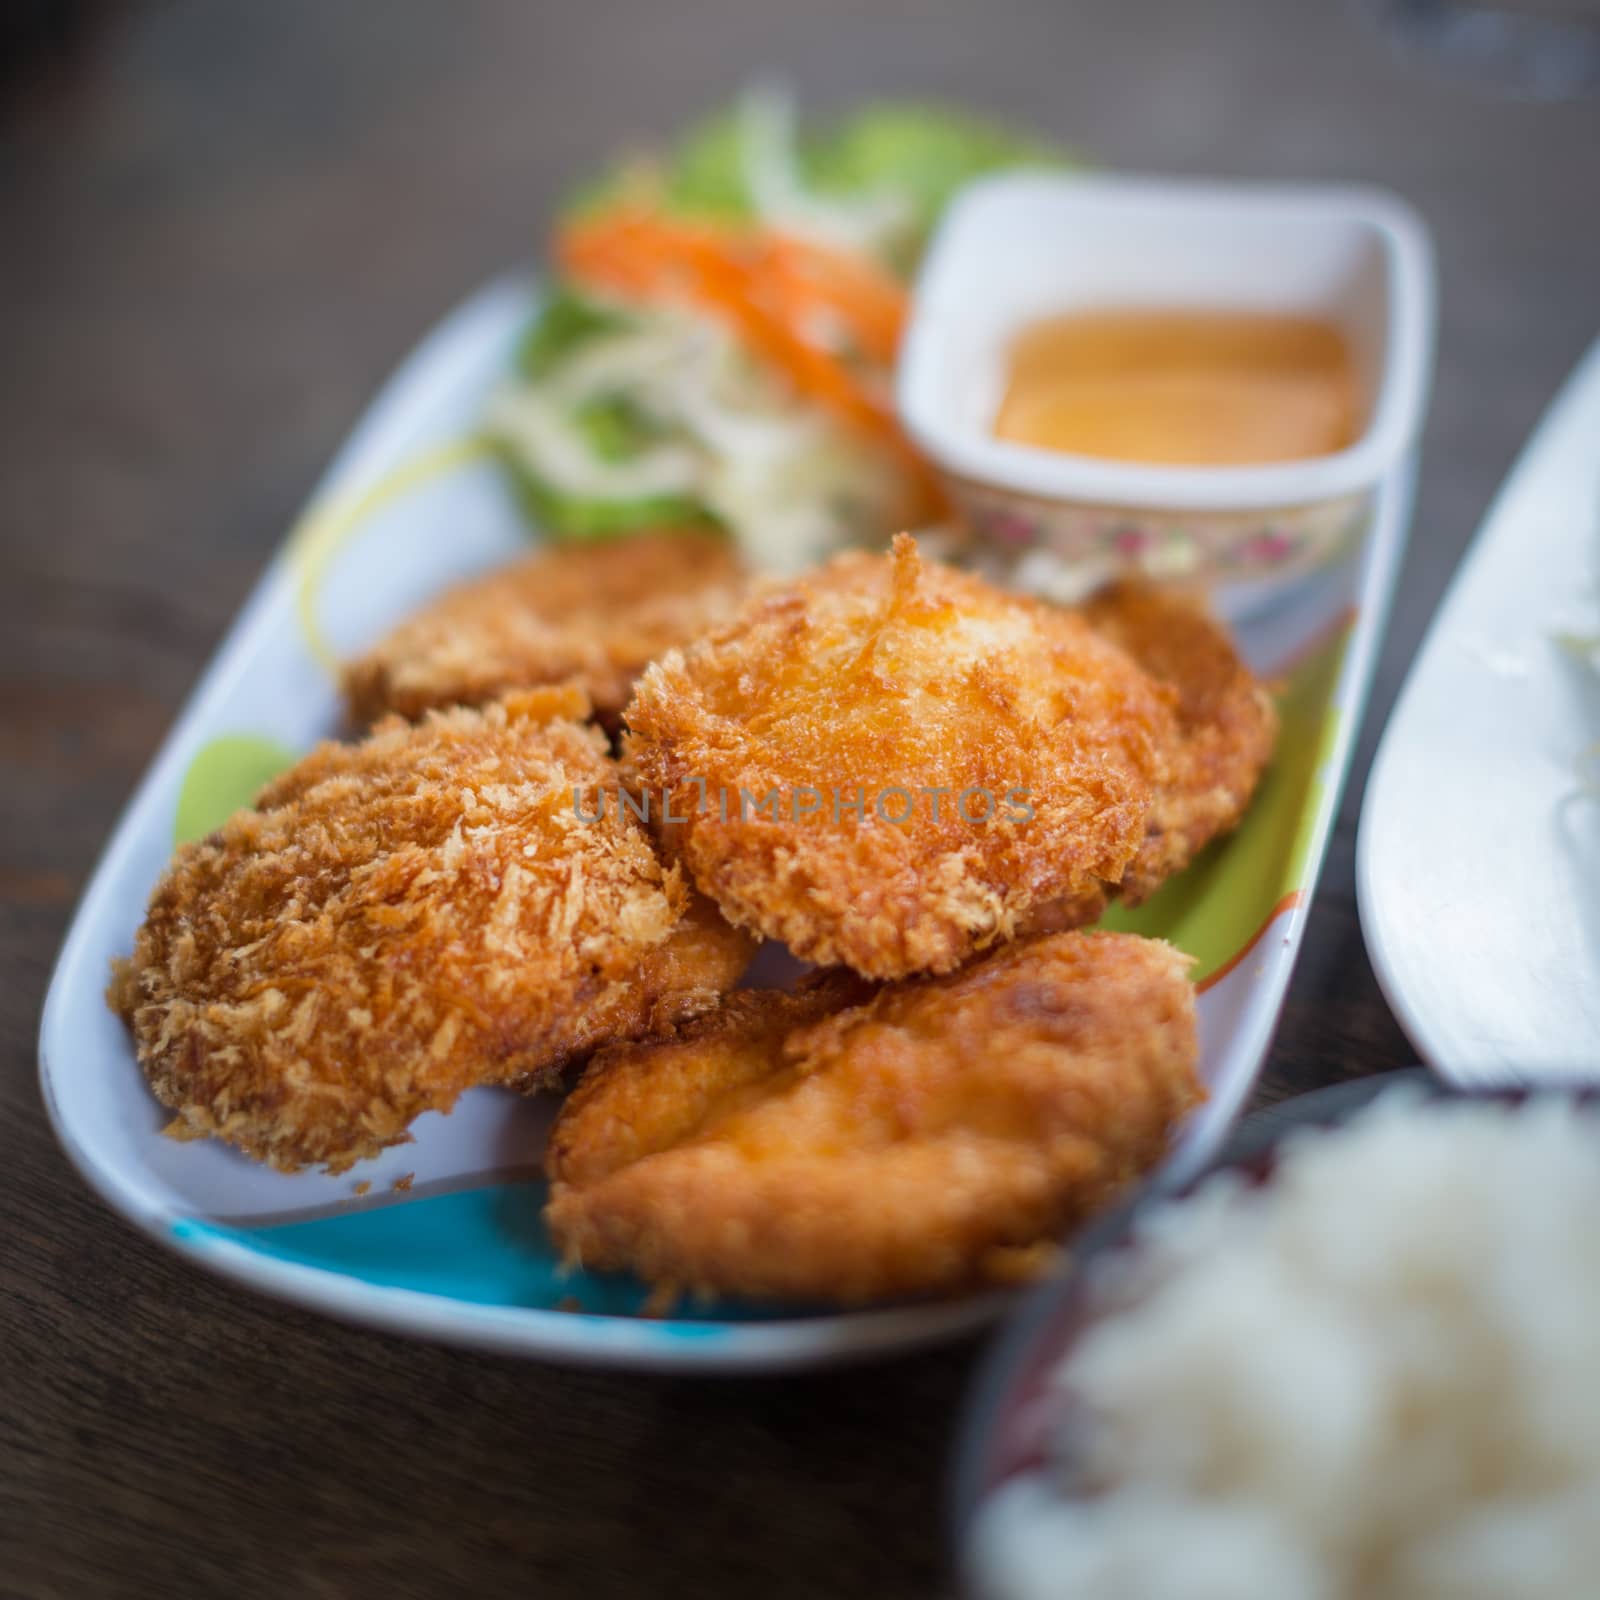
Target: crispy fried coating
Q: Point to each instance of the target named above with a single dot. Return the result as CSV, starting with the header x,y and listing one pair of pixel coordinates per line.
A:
x,y
845,1144
1226,724
1005,758
589,614
401,919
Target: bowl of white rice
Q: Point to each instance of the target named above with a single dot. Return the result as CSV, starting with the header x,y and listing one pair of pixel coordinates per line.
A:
x,y
1356,1359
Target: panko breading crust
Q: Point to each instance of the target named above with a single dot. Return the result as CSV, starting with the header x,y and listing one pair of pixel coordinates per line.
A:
x,y
886,672
841,1144
590,614
1227,724
401,919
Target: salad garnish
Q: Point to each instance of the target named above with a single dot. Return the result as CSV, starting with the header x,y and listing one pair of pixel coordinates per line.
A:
x,y
719,347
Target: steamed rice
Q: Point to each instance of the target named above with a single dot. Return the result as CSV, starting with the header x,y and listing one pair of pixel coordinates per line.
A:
x,y
1376,1376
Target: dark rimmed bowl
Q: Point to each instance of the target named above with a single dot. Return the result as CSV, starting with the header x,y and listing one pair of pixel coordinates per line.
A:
x,y
1010,1413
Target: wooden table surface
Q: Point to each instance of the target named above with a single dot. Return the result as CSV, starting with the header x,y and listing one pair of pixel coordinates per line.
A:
x,y
221,224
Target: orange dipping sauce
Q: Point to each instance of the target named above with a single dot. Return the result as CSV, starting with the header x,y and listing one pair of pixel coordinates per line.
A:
x,y
1182,388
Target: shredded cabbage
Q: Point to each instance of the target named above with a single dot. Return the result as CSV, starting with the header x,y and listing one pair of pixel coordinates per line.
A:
x,y
716,436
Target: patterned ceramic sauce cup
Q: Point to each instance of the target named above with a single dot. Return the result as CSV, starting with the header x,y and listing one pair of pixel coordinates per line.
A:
x,y
1016,250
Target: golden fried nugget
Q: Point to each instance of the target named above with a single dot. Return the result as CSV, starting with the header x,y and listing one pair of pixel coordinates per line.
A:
x,y
404,918
940,760
1227,724
846,1144
590,614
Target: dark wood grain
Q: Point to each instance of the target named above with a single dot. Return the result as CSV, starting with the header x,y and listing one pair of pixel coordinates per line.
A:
x,y
220,223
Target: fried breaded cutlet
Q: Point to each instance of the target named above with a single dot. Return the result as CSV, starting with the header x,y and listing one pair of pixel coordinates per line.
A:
x,y
402,919
589,614
1225,731
845,1144
1227,724
1004,756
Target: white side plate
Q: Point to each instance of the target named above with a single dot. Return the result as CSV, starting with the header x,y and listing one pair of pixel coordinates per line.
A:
x,y
1478,862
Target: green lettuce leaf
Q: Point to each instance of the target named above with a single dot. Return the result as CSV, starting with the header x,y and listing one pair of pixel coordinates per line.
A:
x,y
701,176
705,174
614,427
566,320
576,518
924,152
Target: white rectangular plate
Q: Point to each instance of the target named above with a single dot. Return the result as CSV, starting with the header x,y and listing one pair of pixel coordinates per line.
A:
x,y
410,505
